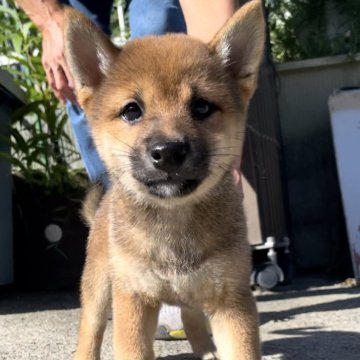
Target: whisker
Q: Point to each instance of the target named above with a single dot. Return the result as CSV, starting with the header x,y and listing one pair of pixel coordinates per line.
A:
x,y
262,136
116,151
220,166
121,141
123,155
225,147
221,154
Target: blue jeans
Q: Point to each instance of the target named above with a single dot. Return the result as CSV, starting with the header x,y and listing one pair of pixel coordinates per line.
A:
x,y
146,17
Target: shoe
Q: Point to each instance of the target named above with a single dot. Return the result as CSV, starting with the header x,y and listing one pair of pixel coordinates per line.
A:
x,y
170,326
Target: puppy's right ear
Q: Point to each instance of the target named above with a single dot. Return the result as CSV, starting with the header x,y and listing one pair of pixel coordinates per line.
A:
x,y
240,45
89,53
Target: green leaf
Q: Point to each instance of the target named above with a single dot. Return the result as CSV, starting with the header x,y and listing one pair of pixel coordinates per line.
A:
x,y
17,41
26,28
38,139
20,141
11,12
39,162
41,145
61,125
13,161
33,107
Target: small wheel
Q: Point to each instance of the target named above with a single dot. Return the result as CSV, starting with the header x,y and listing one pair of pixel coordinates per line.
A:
x,y
53,233
267,276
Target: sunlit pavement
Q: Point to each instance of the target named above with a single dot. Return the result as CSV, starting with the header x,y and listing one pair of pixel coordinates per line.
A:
x,y
310,319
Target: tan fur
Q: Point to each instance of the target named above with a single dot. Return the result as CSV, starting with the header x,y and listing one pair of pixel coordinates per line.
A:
x,y
187,250
91,203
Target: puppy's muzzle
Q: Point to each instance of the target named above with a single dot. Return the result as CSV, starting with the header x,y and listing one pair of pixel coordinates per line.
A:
x,y
171,167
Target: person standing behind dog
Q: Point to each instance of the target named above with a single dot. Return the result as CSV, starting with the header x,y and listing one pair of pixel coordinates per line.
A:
x,y
200,18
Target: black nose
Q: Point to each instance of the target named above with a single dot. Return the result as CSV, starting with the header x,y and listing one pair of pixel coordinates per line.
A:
x,y
169,155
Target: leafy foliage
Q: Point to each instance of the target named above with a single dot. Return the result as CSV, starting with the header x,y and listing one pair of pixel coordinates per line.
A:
x,y
120,14
42,151
303,29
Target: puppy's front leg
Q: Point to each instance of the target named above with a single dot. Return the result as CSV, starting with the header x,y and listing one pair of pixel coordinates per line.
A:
x,y
196,332
134,326
95,300
236,330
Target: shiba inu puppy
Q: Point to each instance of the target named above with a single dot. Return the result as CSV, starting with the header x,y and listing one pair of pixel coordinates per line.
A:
x,y
168,117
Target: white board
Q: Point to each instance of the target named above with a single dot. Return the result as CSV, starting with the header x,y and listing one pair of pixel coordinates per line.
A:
x,y
345,122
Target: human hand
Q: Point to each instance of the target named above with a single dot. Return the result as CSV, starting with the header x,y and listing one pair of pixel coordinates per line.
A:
x,y
237,176
53,59
237,180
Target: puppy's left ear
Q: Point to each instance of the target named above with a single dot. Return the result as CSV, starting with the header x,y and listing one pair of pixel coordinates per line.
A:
x,y
89,53
240,45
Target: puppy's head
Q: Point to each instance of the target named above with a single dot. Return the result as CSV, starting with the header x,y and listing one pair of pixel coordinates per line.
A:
x,y
167,113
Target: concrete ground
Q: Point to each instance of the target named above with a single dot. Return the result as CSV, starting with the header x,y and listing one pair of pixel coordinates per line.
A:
x,y
310,319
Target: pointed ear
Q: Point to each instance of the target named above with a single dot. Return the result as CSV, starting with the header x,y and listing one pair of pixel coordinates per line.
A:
x,y
88,51
240,45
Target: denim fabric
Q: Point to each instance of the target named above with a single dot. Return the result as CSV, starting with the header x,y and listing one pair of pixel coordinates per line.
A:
x,y
147,17
155,17
93,164
98,11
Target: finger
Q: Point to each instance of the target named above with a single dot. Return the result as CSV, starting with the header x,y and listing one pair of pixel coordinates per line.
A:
x,y
238,183
236,176
59,96
50,76
62,84
51,81
69,95
70,81
60,79
69,77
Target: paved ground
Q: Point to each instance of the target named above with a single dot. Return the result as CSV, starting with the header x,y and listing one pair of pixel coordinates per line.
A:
x,y
308,320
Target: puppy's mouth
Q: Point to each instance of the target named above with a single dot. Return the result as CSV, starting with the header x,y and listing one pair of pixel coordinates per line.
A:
x,y
172,187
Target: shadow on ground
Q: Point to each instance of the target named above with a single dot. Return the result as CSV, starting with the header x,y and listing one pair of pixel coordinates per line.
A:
x,y
345,304
293,343
18,303
290,292
177,357
313,343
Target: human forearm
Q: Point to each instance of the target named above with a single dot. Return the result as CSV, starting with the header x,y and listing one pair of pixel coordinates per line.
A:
x,y
48,16
42,12
205,17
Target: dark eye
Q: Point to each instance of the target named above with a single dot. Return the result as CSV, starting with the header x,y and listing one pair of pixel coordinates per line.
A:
x,y
131,112
202,109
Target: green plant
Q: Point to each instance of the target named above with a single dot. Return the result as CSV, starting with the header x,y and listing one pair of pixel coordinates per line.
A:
x,y
42,150
304,29
120,15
